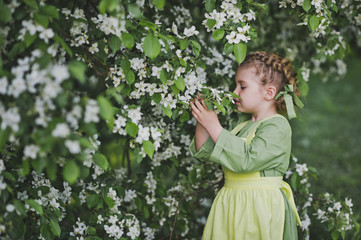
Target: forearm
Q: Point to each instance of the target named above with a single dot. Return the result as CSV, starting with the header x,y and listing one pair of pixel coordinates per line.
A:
x,y
214,131
201,136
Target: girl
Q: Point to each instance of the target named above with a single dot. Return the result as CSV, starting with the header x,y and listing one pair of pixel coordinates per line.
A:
x,y
254,202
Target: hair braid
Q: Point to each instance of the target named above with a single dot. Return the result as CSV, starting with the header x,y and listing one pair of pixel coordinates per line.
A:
x,y
275,69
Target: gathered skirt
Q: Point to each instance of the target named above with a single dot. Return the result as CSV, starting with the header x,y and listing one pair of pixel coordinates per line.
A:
x,y
251,207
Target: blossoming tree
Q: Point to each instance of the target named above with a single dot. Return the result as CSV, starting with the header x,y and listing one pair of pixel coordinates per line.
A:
x,y
95,122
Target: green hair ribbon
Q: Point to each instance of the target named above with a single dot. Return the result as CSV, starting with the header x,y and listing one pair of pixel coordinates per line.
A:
x,y
290,97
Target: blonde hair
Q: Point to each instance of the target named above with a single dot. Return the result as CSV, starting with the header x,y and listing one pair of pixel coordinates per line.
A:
x,y
273,69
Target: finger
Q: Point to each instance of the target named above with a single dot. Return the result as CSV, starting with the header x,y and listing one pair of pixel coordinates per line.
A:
x,y
195,108
204,105
199,105
195,116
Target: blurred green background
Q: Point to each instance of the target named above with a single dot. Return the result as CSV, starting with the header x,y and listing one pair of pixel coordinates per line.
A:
x,y
327,136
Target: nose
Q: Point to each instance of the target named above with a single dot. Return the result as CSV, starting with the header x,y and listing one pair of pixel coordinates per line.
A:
x,y
236,91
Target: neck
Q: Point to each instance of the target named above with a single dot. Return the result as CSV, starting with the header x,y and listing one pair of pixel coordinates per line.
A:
x,y
263,113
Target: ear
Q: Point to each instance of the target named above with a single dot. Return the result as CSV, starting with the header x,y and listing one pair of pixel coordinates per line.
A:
x,y
270,93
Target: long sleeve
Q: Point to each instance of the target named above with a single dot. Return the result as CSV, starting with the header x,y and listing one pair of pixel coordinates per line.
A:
x,y
204,152
269,149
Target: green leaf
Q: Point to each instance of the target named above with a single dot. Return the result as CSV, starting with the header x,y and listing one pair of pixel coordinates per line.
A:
x,y
71,171
196,47
167,111
159,4
209,5
163,76
55,228
91,231
138,203
92,200
228,48
218,34
108,5
45,232
125,64
5,14
179,82
175,90
135,11
51,169
132,129
29,39
146,212
109,201
294,181
101,161
106,110
148,148
313,22
41,19
50,11
77,70
4,136
220,107
130,76
210,23
19,206
32,4
16,49
63,44
157,97
151,46
306,5
183,44
8,176
32,203
115,43
128,40
240,51
192,176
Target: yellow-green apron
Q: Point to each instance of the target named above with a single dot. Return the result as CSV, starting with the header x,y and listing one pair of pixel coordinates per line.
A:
x,y
251,207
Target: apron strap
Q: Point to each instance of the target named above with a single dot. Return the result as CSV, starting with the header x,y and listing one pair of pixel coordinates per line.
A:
x,y
288,191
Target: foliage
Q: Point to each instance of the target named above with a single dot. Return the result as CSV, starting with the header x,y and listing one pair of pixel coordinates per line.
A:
x,y
94,110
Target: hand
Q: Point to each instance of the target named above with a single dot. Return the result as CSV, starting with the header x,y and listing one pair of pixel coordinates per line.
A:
x,y
208,119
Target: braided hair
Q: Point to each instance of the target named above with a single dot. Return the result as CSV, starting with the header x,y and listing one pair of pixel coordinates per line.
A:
x,y
272,68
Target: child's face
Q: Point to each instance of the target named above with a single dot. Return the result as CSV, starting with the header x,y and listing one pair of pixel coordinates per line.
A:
x,y
250,90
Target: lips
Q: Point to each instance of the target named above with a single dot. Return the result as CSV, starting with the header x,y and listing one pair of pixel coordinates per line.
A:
x,y
237,102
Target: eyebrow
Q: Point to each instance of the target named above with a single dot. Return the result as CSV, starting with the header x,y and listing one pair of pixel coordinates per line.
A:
x,y
241,81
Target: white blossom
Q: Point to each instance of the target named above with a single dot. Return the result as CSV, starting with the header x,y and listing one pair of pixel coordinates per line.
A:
x,y
306,222
10,208
135,115
11,118
190,31
129,195
61,130
17,87
133,232
3,85
91,111
60,73
301,168
46,34
94,48
143,134
31,151
73,146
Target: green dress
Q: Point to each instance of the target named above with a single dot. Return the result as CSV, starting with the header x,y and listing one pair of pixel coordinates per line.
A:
x,y
254,202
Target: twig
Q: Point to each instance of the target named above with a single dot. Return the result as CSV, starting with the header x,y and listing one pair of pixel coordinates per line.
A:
x,y
182,199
